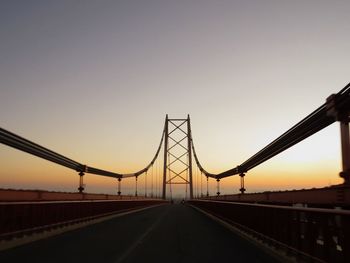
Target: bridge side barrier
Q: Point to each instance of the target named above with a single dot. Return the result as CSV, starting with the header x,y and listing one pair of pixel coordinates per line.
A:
x,y
17,218
328,197
321,234
11,195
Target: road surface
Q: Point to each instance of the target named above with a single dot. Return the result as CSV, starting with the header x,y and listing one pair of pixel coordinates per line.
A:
x,y
167,233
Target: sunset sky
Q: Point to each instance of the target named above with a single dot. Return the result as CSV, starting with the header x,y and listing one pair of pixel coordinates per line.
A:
x,y
93,80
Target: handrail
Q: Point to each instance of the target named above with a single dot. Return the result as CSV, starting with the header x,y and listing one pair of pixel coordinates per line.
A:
x,y
293,208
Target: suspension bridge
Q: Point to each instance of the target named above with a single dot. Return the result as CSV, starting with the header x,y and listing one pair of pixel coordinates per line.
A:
x,y
302,225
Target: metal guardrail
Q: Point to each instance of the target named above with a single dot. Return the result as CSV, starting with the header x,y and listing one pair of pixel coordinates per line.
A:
x,y
322,235
327,197
10,195
20,218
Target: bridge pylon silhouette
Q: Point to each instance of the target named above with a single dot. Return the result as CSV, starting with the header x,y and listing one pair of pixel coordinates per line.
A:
x,y
177,167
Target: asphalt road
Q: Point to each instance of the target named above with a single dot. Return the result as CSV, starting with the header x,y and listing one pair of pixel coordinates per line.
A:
x,y
168,233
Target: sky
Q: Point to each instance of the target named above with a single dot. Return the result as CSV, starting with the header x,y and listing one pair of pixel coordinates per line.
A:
x,y
93,80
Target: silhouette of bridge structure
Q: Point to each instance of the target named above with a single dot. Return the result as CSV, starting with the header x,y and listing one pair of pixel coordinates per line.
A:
x,y
303,225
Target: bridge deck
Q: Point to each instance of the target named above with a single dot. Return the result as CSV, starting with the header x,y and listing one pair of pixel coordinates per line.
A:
x,y
168,233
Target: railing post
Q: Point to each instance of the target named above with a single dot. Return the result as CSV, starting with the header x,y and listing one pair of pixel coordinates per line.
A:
x,y
242,189
119,186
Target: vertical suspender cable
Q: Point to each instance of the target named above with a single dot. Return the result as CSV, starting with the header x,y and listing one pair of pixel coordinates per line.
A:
x,y
146,184
170,175
197,185
207,186
135,185
201,175
152,171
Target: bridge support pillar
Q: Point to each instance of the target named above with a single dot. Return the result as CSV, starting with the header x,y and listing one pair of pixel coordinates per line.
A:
x,y
345,146
81,182
135,185
218,186
341,112
119,186
82,170
242,189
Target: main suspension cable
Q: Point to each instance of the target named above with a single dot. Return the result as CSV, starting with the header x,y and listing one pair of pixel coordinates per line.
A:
x,y
314,122
15,141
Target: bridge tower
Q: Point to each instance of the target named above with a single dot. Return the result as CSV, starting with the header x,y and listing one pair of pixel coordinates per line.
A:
x,y
177,154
